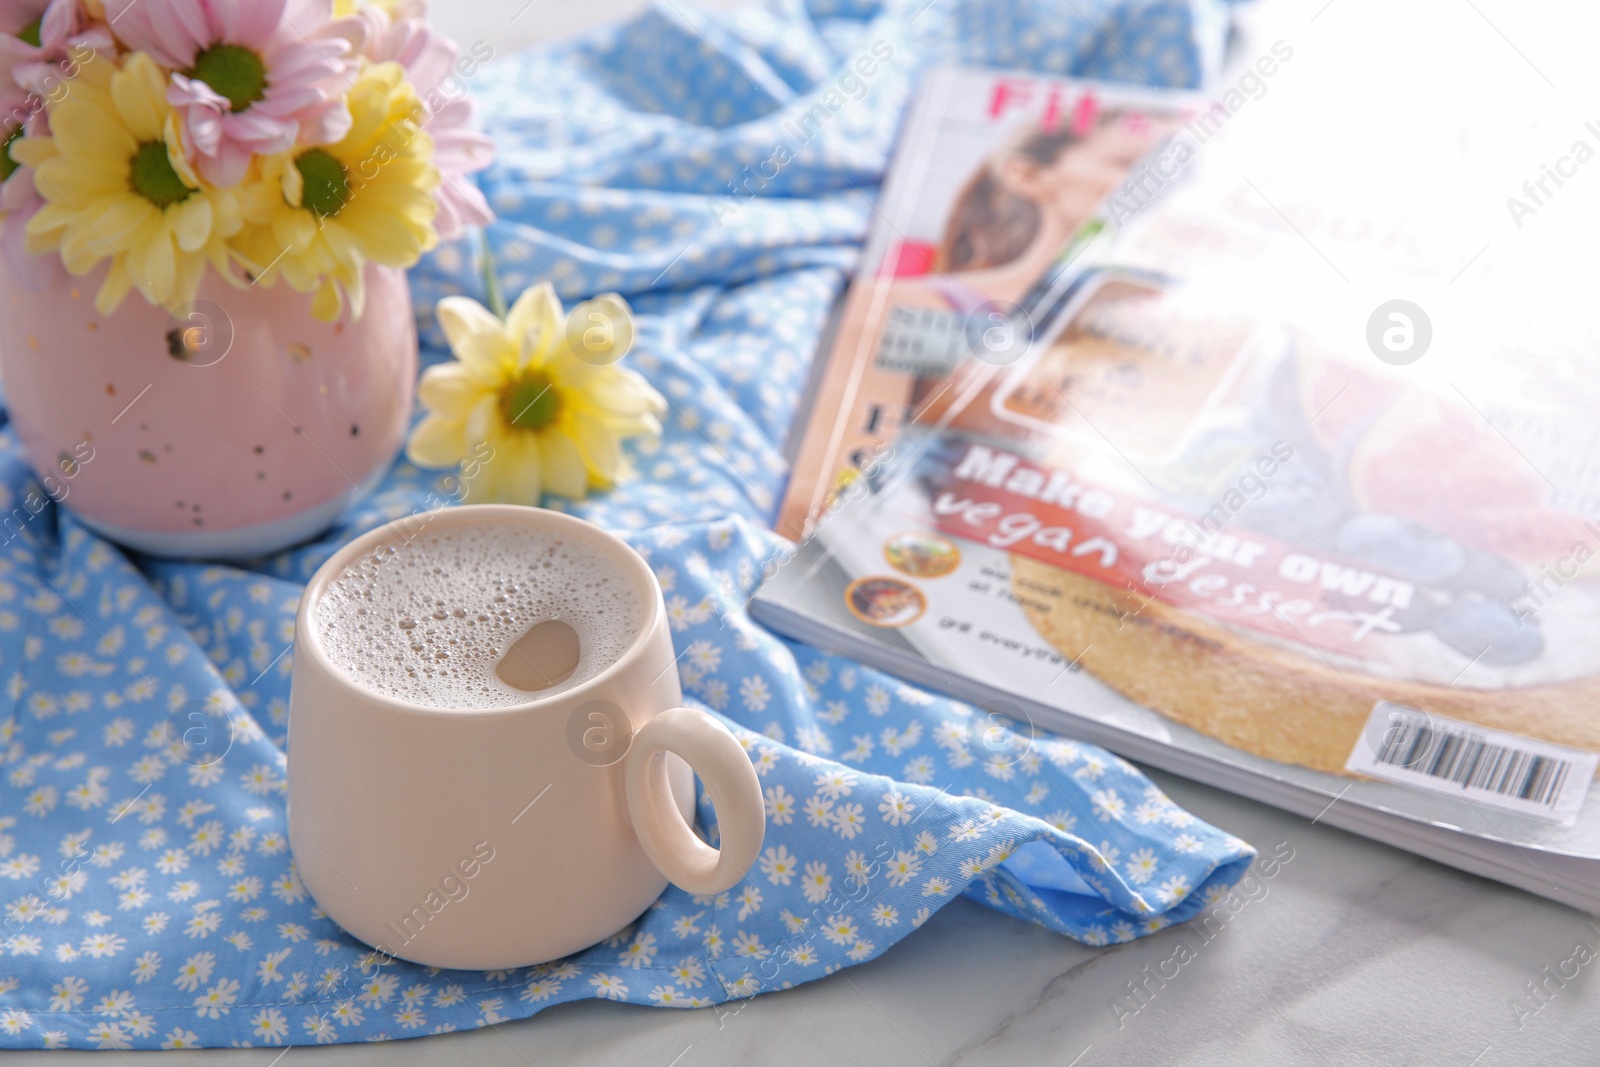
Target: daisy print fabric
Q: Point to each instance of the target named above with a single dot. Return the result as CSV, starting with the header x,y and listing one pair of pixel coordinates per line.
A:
x,y
148,898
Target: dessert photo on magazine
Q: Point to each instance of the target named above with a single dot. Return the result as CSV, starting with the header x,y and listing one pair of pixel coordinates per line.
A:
x,y
1197,521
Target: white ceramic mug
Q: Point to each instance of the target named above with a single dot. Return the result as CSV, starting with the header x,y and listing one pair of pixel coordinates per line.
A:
x,y
490,838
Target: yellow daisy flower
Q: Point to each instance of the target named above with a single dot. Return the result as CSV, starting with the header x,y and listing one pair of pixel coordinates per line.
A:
x,y
116,186
317,216
394,8
544,393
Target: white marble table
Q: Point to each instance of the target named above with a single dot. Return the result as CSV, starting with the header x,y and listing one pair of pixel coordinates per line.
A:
x,y
1355,954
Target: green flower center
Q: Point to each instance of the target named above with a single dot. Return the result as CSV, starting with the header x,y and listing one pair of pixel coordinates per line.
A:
x,y
153,178
531,402
233,71
8,166
29,34
325,185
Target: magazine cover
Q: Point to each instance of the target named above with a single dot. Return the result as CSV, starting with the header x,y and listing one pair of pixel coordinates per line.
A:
x,y
1205,522
992,200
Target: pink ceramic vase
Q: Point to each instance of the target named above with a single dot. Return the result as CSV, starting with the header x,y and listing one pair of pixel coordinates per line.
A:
x,y
235,428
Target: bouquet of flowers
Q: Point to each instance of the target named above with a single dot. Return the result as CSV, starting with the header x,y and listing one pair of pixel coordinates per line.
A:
x,y
268,139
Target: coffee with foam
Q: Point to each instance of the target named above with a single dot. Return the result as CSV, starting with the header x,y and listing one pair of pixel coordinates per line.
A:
x,y
448,618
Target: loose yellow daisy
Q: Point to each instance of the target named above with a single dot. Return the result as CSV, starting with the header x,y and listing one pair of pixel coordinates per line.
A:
x,y
318,216
116,187
543,392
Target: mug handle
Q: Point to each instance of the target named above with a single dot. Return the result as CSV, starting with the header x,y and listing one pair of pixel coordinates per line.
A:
x,y
716,756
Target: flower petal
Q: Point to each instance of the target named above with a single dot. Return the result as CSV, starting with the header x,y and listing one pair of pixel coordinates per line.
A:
x,y
519,468
325,304
437,442
564,470
191,223
476,337
293,184
479,481
447,387
154,265
534,321
114,288
600,447
483,420
139,93
626,426
622,392
117,220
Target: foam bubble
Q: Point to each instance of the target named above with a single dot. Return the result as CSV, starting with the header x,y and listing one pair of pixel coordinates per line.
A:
x,y
426,622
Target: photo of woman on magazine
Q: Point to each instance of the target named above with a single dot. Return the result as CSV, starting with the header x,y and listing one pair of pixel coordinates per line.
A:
x,y
1014,214
1008,224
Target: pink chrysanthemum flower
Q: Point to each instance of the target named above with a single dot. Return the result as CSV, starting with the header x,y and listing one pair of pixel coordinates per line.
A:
x,y
249,76
430,61
37,38
41,42
17,194
18,198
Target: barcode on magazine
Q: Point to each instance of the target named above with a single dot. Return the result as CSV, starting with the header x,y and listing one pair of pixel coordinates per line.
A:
x,y
1473,761
1520,774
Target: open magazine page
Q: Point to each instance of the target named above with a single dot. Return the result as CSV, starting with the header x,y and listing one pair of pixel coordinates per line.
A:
x,y
993,198
1208,522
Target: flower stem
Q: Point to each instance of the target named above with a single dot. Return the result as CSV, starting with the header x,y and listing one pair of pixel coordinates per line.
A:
x,y
491,279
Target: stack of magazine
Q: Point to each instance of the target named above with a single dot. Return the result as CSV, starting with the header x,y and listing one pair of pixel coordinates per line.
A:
x,y
1087,453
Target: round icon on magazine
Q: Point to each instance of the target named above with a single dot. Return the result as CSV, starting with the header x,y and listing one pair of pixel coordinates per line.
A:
x,y
1399,332
999,332
1399,735
922,554
886,602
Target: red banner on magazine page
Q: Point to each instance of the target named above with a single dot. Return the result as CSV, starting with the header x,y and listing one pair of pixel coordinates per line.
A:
x,y
1237,577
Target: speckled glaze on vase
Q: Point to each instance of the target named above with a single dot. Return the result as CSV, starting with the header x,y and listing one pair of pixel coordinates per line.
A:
x,y
238,427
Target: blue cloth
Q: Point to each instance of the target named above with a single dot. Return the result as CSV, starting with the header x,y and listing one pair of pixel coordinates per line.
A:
x,y
150,902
